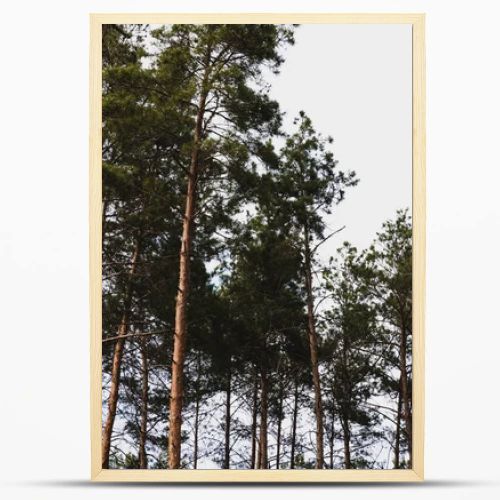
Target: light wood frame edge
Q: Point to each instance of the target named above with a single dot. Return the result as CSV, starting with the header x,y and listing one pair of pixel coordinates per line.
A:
x,y
419,245
416,474
95,236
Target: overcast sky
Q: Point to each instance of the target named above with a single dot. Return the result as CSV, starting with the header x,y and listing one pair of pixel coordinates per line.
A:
x,y
354,82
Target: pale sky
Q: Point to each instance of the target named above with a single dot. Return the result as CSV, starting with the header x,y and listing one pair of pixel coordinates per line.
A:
x,y
355,83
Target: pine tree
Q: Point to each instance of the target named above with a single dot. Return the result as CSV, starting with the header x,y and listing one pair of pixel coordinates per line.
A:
x,y
388,271
221,66
354,355
309,185
264,283
139,204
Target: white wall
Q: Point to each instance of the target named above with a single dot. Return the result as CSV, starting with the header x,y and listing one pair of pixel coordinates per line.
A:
x,y
44,429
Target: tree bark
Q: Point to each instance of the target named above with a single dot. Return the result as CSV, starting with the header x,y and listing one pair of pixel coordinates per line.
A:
x,y
332,433
227,444
345,404
180,330
253,464
398,431
263,463
280,418
143,458
347,443
294,425
313,347
117,358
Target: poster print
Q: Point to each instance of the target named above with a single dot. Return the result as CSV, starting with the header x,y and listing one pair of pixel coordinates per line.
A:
x,y
257,260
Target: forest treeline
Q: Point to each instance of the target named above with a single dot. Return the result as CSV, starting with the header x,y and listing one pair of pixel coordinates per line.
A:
x,y
227,341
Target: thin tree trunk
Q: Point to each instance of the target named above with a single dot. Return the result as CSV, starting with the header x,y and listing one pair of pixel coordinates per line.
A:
x,y
345,405
404,389
263,463
332,433
117,358
196,425
180,330
143,458
398,431
294,424
280,418
196,416
313,347
347,443
253,464
227,445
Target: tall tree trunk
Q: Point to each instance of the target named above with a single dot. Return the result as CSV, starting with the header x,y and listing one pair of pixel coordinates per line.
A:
x,y
263,462
294,424
404,388
227,444
345,404
255,408
313,347
180,330
117,357
347,442
398,431
143,458
332,433
280,418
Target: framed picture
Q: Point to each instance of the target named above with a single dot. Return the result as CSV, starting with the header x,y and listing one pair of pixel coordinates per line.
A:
x,y
257,247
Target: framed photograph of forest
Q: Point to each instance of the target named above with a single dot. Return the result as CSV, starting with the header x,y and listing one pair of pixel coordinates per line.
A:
x,y
257,247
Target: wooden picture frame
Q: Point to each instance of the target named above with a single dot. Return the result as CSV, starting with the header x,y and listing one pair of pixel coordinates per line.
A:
x,y
187,476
